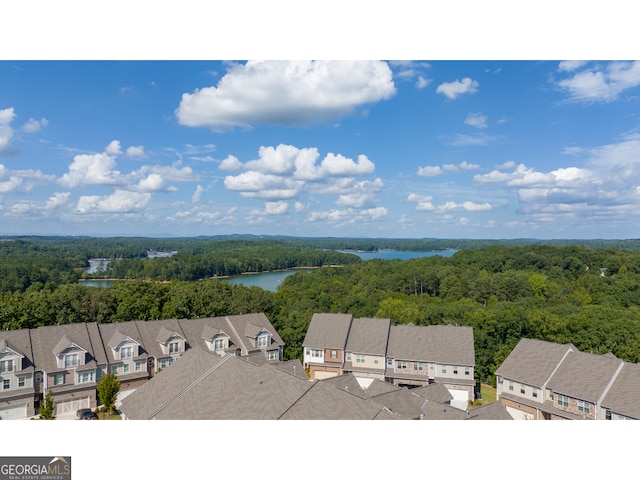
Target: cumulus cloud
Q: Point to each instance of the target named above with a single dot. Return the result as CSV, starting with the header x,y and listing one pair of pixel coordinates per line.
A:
x,y
476,120
136,152
231,163
348,216
57,200
34,125
120,201
361,194
601,83
434,171
283,172
429,171
456,88
570,65
424,203
21,180
197,195
6,132
286,93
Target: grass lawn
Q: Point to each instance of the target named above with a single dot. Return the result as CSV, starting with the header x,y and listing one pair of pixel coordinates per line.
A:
x,y
488,395
105,416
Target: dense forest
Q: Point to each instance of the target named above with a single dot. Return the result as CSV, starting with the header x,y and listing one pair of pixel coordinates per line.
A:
x,y
588,295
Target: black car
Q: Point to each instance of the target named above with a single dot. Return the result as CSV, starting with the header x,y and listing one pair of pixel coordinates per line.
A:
x,y
88,415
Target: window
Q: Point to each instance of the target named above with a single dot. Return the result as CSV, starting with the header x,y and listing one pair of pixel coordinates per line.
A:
x,y
316,353
584,407
455,370
563,401
359,358
163,363
401,365
444,369
500,381
6,384
375,360
467,370
511,386
71,360
139,366
218,344
522,389
114,369
58,379
607,414
126,353
534,392
174,347
6,366
348,356
417,366
21,381
389,362
272,355
334,354
38,376
262,340
125,368
85,377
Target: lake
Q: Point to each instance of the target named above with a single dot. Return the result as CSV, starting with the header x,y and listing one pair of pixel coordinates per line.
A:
x,y
271,280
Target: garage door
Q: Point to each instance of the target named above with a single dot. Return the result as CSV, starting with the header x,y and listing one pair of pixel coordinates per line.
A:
x,y
321,375
519,414
13,413
71,406
460,399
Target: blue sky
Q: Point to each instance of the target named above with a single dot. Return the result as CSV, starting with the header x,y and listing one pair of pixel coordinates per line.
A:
x,y
443,148
464,149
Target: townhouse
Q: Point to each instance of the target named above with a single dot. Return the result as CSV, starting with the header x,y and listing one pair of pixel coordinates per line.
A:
x,y
69,360
548,381
404,355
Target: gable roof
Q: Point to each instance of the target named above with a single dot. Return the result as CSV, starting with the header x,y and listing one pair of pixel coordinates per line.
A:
x,y
622,397
118,333
49,341
252,323
369,336
328,330
584,375
18,341
533,361
445,344
153,333
490,411
434,391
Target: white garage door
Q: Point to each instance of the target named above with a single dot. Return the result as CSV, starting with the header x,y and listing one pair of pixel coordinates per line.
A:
x,y
519,414
13,413
321,375
71,406
460,399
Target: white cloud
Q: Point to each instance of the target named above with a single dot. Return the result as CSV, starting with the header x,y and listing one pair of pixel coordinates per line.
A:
x,y
429,171
453,89
422,82
6,132
286,93
476,120
113,148
473,140
56,200
434,171
34,125
570,65
197,195
602,84
96,169
21,180
136,152
361,193
276,208
153,183
231,163
120,201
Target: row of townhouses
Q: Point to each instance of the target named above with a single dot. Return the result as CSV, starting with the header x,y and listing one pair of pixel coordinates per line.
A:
x,y
403,355
69,360
542,380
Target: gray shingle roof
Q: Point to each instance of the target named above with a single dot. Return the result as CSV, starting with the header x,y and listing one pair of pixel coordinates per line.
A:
x,y
241,324
533,361
152,332
490,411
445,344
434,391
47,339
368,336
328,330
20,342
584,375
116,333
623,396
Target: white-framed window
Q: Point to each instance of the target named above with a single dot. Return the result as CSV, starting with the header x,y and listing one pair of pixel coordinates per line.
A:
x,y
174,347
334,354
6,384
359,358
307,351
563,400
125,368
38,377
139,365
218,344
522,389
455,370
70,360
163,363
262,340
114,369
316,353
272,355
126,353
376,360
500,381
22,379
348,355
6,366
85,377
58,379
444,369
417,366
401,365
467,370
511,386
584,407
534,392
389,362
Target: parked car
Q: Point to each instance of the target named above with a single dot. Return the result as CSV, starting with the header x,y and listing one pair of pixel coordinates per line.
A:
x,y
88,415
81,411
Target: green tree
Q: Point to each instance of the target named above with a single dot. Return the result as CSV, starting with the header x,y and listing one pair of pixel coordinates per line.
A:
x,y
108,388
47,407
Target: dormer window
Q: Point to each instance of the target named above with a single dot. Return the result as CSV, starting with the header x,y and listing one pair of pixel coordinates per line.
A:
x,y
174,347
219,344
262,340
6,366
126,353
71,360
